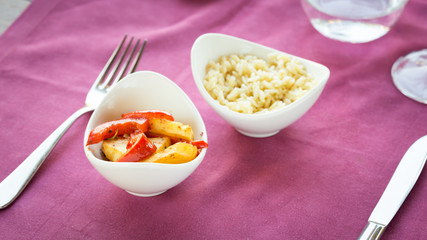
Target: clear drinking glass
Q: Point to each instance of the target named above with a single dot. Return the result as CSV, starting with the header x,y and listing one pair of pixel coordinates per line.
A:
x,y
410,75
354,21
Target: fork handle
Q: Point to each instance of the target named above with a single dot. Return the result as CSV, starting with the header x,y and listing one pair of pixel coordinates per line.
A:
x,y
14,184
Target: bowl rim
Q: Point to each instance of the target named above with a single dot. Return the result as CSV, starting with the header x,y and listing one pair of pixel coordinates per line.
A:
x,y
93,159
199,80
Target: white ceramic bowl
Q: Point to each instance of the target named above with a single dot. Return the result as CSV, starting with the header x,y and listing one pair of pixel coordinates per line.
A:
x,y
210,46
143,91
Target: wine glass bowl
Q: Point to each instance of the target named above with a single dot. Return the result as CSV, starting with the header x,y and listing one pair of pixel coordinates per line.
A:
x,y
354,21
410,75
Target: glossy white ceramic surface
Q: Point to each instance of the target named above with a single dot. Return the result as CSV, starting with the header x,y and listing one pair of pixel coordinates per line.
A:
x,y
210,46
145,91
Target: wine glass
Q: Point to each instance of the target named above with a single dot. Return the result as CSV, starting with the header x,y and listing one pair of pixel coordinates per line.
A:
x,y
354,21
410,75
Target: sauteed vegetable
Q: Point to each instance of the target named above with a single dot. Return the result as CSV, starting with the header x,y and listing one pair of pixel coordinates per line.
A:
x,y
146,136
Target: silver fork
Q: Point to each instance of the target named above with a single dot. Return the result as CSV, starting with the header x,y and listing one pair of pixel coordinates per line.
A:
x,y
14,184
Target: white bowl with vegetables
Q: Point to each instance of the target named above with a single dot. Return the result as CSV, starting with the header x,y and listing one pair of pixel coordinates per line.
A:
x,y
145,154
256,89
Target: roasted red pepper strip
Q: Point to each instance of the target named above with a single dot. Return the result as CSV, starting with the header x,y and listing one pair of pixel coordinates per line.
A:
x,y
199,144
141,148
133,137
148,114
117,127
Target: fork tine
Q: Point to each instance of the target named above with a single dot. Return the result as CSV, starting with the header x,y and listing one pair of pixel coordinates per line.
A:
x,y
138,57
115,75
109,63
108,81
135,62
125,67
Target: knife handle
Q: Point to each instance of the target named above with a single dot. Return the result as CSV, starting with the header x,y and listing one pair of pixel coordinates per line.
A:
x,y
372,231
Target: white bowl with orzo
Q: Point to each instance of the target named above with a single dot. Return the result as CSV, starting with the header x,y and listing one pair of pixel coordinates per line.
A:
x,y
257,89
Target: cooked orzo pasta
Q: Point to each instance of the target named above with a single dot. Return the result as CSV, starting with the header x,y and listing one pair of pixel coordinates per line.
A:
x,y
248,84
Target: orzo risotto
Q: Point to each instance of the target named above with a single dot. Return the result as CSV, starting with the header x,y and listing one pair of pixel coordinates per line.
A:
x,y
248,84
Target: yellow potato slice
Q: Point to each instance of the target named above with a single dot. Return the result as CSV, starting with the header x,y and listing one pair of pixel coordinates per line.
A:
x,y
115,148
179,152
161,143
171,129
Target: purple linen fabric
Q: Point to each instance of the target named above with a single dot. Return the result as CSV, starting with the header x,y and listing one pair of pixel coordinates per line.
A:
x,y
319,178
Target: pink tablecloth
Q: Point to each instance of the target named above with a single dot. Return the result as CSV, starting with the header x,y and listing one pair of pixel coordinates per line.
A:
x,y
319,178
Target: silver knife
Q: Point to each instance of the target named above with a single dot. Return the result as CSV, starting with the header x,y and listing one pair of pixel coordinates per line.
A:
x,y
398,188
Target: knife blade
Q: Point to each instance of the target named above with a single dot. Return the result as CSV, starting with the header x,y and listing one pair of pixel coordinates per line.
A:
x,y
401,183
